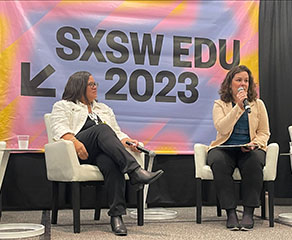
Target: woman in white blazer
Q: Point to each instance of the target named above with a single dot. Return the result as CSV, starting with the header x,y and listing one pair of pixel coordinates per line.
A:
x,y
98,140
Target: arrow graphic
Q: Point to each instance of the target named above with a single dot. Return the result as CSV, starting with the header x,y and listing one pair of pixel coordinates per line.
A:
x,y
30,87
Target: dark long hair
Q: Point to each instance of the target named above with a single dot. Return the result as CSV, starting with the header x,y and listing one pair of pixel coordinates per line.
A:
x,y
225,91
76,87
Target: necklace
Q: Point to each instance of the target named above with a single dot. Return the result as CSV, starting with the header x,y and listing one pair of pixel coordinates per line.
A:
x,y
94,117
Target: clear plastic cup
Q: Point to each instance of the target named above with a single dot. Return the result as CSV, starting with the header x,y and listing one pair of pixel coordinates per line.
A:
x,y
23,141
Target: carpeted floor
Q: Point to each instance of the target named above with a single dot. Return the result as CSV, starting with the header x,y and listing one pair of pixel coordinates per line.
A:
x,y
181,227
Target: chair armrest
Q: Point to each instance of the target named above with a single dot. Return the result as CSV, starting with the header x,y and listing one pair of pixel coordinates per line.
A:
x,y
270,169
290,132
200,153
61,160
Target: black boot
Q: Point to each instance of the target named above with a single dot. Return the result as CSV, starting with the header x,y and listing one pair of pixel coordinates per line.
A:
x,y
232,220
139,175
118,226
247,221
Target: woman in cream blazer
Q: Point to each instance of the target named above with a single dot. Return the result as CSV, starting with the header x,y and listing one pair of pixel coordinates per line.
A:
x,y
235,126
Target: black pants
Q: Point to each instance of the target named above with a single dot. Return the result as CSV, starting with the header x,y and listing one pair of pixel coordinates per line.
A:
x,y
108,153
250,164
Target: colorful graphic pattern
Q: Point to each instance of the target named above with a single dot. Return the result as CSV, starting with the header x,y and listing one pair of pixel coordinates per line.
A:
x,y
159,64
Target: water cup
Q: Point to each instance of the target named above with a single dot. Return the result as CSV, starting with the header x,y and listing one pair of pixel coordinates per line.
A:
x,y
23,141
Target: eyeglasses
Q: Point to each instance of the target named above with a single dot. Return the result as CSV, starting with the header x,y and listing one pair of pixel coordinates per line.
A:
x,y
92,84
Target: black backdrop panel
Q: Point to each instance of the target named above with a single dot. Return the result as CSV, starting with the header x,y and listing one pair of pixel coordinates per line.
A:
x,y
176,187
275,72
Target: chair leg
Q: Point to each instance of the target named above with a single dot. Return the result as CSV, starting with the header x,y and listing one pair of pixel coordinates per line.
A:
x,y
0,204
263,202
76,206
140,206
97,213
219,210
97,203
199,199
270,188
55,189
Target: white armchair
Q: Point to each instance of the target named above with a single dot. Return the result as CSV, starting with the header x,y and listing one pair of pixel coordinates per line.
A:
x,y
63,166
204,172
290,133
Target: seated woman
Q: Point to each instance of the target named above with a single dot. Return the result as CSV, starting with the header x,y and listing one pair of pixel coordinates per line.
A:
x,y
98,140
235,126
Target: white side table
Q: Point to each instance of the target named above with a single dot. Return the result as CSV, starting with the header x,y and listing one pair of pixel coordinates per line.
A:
x,y
154,213
16,230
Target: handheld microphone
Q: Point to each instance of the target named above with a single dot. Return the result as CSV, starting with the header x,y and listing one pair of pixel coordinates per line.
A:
x,y
142,149
245,102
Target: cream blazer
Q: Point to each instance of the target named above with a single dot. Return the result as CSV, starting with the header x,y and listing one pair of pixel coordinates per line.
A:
x,y
225,117
69,117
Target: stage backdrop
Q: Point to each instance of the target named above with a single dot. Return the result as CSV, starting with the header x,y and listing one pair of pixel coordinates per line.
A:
x,y
159,64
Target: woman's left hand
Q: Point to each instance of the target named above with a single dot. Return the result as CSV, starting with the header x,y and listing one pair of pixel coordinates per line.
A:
x,y
133,146
250,146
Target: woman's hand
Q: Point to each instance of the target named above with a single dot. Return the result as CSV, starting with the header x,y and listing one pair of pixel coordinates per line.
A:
x,y
80,150
133,146
79,146
240,96
250,147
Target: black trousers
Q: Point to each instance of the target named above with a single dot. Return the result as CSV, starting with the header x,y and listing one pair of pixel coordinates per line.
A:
x,y
108,153
250,164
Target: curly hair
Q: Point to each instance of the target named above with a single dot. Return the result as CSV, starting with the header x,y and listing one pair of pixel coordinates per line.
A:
x,y
225,91
76,86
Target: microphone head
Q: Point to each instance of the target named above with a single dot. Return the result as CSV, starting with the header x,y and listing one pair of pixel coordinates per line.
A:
x,y
240,89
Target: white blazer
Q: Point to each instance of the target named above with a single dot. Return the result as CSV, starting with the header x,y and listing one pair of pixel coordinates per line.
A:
x,y
70,117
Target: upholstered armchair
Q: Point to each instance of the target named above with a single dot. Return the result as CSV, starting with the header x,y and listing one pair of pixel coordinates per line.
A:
x,y
63,166
204,172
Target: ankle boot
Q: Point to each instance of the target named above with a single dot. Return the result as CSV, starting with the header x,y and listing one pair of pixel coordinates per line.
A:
x,y
232,220
118,226
247,221
141,176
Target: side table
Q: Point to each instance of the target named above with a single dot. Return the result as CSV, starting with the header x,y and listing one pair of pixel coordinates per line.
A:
x,y
16,230
154,213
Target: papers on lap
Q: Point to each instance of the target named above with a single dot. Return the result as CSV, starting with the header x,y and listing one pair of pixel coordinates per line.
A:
x,y
237,145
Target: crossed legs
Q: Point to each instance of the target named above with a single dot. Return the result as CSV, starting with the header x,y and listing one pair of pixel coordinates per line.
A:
x,y
108,153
